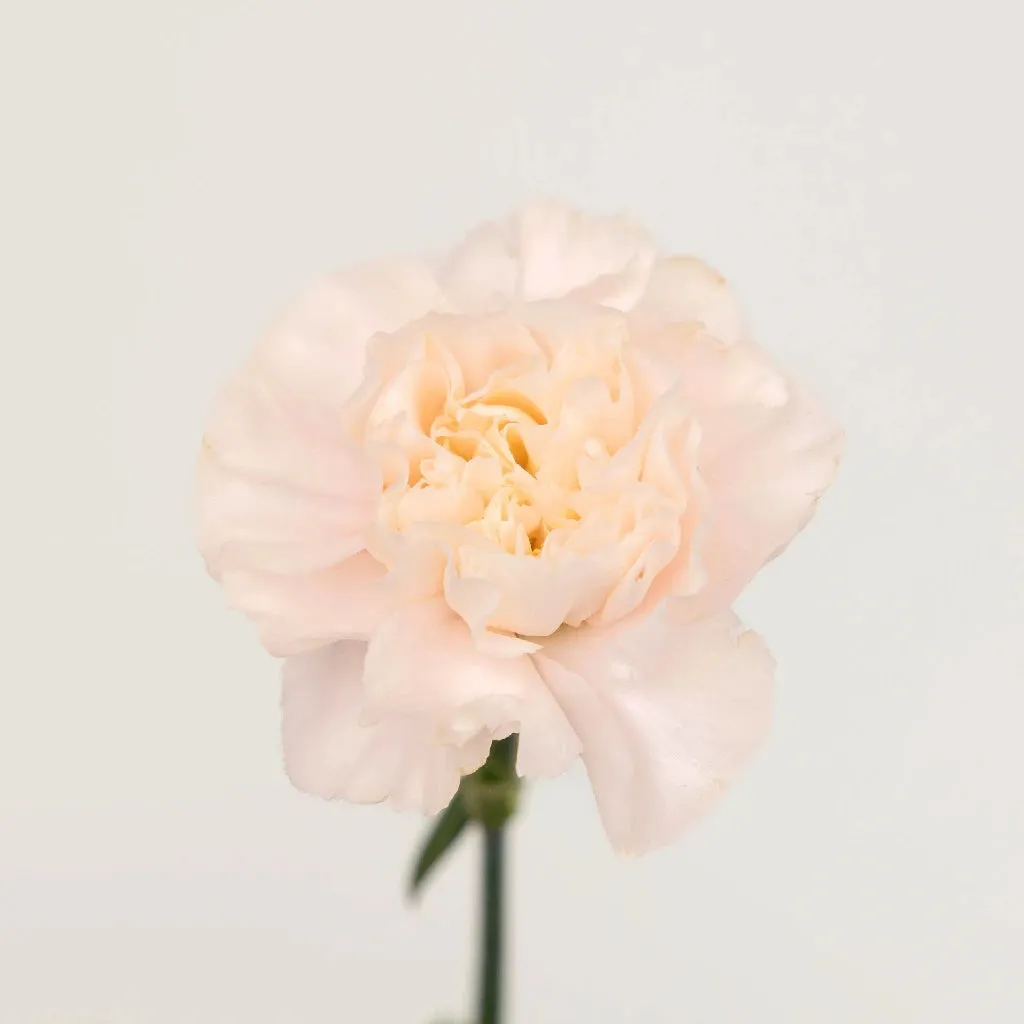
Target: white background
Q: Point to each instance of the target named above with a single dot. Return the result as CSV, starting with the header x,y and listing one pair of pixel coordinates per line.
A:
x,y
174,171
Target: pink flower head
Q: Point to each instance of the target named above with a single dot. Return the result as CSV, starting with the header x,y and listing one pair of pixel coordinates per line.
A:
x,y
516,491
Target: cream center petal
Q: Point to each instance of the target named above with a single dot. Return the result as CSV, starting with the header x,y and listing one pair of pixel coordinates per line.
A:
x,y
544,461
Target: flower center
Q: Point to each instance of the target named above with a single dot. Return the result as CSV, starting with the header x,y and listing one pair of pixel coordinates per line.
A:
x,y
513,447
489,426
489,434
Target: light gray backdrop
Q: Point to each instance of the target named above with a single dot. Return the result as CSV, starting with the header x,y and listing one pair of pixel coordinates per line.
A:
x,y
173,172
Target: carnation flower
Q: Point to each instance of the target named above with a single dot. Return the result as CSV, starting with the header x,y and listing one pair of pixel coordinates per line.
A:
x,y
514,491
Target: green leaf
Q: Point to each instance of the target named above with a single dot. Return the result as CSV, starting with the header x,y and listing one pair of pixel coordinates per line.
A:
x,y
449,826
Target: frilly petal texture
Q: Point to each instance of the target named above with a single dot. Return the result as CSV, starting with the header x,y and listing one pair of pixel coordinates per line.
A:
x,y
283,497
667,712
405,717
547,251
514,489
331,752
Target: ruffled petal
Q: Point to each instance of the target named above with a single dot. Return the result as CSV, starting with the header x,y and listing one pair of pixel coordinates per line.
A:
x,y
766,480
263,521
301,611
683,289
287,554
316,351
667,710
535,596
331,752
422,664
549,251
284,498
768,451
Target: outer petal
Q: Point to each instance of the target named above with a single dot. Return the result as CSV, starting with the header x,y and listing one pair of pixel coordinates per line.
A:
x,y
301,611
404,720
289,557
422,663
548,251
683,289
252,516
331,753
317,347
768,451
283,497
667,710
765,479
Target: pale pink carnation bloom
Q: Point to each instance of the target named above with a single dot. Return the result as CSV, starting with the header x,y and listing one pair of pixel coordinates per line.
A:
x,y
516,490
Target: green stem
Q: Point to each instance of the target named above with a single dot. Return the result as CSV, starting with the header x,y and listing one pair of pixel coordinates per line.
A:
x,y
501,766
493,924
